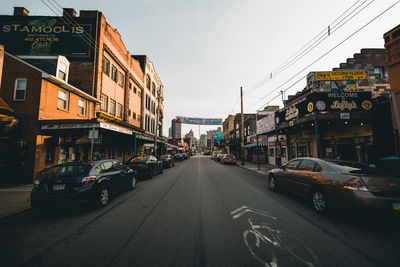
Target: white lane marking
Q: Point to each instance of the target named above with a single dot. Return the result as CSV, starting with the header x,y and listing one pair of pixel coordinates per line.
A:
x,y
244,209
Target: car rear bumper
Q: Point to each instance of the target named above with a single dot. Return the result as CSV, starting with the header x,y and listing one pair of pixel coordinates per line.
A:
x,y
68,198
365,199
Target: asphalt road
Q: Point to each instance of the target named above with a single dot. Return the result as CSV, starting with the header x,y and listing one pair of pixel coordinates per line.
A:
x,y
199,213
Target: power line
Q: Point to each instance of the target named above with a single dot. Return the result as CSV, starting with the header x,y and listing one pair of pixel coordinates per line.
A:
x,y
326,53
311,44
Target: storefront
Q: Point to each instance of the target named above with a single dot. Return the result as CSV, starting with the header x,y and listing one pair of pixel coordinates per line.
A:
x,y
328,125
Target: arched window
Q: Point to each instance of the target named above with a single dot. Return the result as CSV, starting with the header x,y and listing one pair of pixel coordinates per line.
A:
x,y
148,82
153,89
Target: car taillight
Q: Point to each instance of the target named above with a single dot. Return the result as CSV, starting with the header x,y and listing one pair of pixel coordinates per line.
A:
x,y
36,183
356,184
88,179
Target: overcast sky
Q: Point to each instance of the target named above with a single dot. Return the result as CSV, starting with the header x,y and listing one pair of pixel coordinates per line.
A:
x,y
205,50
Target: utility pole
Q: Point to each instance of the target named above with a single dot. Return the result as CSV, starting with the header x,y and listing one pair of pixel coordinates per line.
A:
x,y
258,148
242,126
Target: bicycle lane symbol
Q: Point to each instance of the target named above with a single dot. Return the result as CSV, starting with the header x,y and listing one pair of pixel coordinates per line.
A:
x,y
266,243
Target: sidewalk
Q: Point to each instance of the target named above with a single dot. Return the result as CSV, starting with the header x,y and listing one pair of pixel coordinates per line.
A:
x,y
264,167
14,199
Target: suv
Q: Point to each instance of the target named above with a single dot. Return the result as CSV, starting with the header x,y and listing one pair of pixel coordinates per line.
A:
x,y
81,182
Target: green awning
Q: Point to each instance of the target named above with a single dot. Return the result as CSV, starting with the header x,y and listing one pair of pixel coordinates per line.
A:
x,y
255,144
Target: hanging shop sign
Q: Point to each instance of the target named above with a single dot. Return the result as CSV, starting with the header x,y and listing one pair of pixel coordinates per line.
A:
x,y
47,36
325,102
339,75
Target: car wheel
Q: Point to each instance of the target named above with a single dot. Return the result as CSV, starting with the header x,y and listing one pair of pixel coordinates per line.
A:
x,y
272,183
319,201
133,183
103,196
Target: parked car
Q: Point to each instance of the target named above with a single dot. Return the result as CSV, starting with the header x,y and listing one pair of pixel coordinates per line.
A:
x,y
214,155
185,155
219,156
146,166
337,183
178,157
168,161
80,182
228,159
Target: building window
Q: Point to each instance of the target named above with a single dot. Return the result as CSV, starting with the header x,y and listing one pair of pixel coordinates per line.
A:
x,y
114,72
148,102
153,89
139,118
134,115
130,85
148,82
146,123
378,73
82,107
134,90
104,102
129,112
140,93
153,109
63,99
120,79
20,89
62,72
106,66
119,110
112,106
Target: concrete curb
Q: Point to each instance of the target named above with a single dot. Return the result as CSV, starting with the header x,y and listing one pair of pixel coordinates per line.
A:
x,y
262,172
17,214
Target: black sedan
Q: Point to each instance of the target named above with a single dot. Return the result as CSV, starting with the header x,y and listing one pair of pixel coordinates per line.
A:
x,y
146,166
168,161
341,183
179,157
81,182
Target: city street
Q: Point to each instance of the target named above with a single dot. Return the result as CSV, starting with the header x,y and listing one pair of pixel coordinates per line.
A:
x,y
201,213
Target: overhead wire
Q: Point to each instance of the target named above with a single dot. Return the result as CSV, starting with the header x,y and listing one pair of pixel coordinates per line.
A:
x,y
311,44
333,48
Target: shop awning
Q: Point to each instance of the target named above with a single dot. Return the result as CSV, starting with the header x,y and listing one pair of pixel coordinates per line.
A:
x,y
255,144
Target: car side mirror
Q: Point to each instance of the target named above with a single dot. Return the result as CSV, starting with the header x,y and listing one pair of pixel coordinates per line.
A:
x,y
283,167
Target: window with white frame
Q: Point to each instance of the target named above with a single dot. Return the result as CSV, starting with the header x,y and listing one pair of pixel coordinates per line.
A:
x,y
63,99
20,89
82,106
112,106
62,72
119,110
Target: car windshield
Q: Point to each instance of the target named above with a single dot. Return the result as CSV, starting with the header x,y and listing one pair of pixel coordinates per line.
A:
x,y
65,171
137,159
357,169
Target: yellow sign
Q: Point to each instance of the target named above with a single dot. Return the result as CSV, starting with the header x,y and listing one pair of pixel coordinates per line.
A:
x,y
340,75
366,104
310,107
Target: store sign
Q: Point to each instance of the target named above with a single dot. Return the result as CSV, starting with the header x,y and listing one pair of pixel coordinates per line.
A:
x,y
70,126
267,123
345,102
340,75
114,128
46,36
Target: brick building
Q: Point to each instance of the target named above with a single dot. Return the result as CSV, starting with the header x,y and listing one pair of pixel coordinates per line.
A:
x,y
99,65
392,45
40,98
